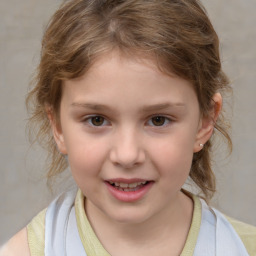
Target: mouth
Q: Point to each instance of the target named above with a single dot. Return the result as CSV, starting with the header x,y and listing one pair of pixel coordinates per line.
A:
x,y
129,190
128,187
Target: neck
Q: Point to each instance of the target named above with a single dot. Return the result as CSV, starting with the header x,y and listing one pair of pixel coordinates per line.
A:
x,y
170,226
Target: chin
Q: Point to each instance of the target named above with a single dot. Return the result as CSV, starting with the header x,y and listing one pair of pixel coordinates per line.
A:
x,y
129,217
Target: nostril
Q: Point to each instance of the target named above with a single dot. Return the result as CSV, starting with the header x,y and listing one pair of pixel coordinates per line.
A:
x,y
127,157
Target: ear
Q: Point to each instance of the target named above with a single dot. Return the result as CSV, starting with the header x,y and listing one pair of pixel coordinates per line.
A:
x,y
56,130
206,125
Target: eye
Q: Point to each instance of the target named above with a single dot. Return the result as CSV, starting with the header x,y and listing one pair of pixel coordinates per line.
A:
x,y
159,121
96,121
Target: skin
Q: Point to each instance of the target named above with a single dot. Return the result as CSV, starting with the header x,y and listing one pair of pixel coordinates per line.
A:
x,y
127,94
17,245
130,142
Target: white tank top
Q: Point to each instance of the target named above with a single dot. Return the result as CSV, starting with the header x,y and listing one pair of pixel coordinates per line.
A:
x,y
61,233
216,236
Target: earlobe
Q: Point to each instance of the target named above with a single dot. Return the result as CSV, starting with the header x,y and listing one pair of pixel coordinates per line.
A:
x,y
56,131
59,139
206,125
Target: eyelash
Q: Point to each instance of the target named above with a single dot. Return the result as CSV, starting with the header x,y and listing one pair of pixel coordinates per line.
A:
x,y
167,121
88,120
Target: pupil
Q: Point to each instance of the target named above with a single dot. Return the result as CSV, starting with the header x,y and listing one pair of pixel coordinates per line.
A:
x,y
97,120
158,120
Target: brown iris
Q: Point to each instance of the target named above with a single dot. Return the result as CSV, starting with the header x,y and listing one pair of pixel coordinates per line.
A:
x,y
158,120
97,120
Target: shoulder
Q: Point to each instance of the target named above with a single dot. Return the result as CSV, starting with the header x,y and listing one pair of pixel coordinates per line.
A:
x,y
29,241
36,234
17,245
247,234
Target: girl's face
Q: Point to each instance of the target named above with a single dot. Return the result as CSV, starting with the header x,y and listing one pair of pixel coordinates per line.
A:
x,y
130,133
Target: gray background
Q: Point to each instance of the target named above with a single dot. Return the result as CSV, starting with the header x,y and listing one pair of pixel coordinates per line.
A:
x,y
23,191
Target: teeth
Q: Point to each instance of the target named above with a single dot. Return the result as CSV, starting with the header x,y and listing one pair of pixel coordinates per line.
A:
x,y
133,185
126,185
123,185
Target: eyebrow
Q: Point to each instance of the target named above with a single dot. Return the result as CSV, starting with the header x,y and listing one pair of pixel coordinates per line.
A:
x,y
90,106
149,108
162,106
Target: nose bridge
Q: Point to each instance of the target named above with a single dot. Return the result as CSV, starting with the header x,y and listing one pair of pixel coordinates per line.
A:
x,y
127,149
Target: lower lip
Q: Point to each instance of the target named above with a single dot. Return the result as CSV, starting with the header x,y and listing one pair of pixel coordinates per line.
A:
x,y
129,196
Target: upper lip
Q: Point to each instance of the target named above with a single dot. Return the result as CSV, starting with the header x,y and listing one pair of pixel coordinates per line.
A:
x,y
127,181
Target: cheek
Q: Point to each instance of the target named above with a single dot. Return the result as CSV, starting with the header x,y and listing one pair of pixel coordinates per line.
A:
x,y
173,167
173,156
86,157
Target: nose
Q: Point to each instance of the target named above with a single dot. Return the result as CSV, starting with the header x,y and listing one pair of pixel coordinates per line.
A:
x,y
127,150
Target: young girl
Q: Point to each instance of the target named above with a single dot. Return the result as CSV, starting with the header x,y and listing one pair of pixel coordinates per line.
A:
x,y
128,95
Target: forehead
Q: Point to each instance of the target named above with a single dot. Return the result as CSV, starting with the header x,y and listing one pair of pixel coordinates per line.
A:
x,y
114,76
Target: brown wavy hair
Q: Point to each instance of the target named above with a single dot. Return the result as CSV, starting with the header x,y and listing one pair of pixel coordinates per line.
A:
x,y
176,33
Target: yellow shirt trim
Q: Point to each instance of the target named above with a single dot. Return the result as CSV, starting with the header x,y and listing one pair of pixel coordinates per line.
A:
x,y
190,244
247,233
35,231
89,239
93,246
